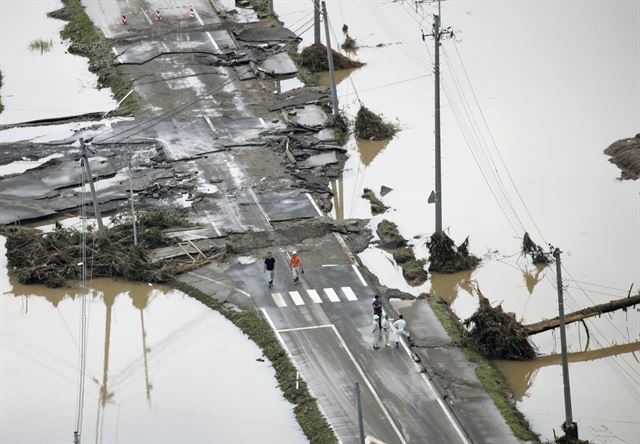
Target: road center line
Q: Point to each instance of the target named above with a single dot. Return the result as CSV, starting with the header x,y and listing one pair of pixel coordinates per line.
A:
x,y
255,199
293,361
368,383
208,120
117,55
198,17
313,202
212,223
146,16
213,42
311,327
355,268
220,283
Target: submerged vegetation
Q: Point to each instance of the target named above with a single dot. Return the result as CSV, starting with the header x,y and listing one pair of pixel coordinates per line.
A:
x,y
392,241
371,126
41,45
314,58
445,257
87,41
349,44
54,258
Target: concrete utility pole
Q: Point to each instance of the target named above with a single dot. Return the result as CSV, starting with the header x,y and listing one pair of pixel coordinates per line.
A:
x,y
359,407
270,7
316,21
332,73
133,208
438,195
570,428
96,206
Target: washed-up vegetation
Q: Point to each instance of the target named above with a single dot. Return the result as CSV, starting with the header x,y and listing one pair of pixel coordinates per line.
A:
x,y
87,41
534,250
54,258
377,207
311,420
349,44
41,45
392,241
446,257
314,58
371,126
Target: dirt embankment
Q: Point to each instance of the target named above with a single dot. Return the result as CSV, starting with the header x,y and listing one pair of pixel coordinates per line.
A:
x,y
625,154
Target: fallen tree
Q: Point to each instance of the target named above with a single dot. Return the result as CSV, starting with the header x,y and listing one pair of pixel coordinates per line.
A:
x,y
596,310
445,257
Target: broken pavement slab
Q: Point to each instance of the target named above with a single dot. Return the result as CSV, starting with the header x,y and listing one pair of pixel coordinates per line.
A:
x,y
266,35
300,96
279,64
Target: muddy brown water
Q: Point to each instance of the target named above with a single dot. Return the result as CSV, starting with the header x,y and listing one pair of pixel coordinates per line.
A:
x,y
554,95
161,367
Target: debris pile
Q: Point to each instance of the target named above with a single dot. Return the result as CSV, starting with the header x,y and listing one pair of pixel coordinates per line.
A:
x,y
392,241
54,258
377,207
314,58
445,257
534,250
496,334
625,153
349,44
371,126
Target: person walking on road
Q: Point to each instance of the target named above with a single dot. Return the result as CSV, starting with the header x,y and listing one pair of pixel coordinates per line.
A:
x,y
399,327
376,332
377,309
296,267
269,267
386,330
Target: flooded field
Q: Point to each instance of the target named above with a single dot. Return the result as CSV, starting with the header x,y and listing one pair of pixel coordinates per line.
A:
x,y
531,97
161,367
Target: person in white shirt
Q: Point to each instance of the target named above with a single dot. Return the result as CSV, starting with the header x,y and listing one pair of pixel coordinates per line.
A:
x,y
399,327
376,332
386,330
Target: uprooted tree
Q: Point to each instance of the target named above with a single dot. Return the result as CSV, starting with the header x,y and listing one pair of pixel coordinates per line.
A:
x,y
371,126
54,258
446,257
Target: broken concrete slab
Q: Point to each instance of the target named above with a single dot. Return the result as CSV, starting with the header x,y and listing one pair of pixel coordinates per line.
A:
x,y
309,116
279,64
17,210
318,160
281,206
300,96
266,35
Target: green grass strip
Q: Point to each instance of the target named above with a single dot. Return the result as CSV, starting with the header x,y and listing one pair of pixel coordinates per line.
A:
x,y
490,377
87,41
313,423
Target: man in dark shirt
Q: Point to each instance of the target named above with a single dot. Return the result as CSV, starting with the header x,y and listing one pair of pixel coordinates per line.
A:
x,y
269,266
377,309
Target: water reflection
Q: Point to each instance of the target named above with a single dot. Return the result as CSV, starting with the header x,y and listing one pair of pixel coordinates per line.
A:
x,y
447,286
324,78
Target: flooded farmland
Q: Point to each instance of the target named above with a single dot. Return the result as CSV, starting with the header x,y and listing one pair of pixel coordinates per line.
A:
x,y
554,95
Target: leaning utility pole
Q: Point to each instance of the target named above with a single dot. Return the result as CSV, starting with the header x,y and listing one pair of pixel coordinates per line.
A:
x,y
316,21
96,206
332,73
359,408
570,428
133,208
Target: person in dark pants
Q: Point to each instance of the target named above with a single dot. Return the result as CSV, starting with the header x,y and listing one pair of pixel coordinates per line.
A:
x,y
269,267
377,309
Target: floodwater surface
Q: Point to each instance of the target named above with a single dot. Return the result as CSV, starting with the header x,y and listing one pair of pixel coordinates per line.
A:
x,y
531,96
161,367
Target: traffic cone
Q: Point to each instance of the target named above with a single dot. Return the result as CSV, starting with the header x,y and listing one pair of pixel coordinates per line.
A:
x,y
157,16
192,12
123,20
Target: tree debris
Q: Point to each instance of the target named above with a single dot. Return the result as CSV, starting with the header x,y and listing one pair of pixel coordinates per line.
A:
x,y
534,250
349,44
314,58
377,207
371,126
392,241
445,257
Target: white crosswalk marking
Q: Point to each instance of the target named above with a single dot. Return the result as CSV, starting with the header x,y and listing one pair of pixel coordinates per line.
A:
x,y
348,292
314,296
297,299
331,294
278,299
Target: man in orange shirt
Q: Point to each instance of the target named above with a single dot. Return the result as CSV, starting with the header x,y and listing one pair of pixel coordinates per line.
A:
x,y
296,266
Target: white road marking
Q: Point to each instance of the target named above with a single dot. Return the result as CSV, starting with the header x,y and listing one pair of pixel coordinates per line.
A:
x,y
212,223
330,265
208,120
206,278
297,299
348,292
117,55
264,125
331,294
313,202
293,361
198,17
255,199
366,381
213,42
278,299
345,248
355,268
314,296
371,440
311,327
146,16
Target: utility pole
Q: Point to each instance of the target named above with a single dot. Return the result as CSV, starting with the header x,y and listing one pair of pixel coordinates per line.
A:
x,y
133,208
359,407
570,428
332,73
316,21
270,2
96,206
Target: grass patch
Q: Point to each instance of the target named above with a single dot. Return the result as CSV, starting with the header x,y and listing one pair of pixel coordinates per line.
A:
x,y
490,377
87,41
308,415
41,45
